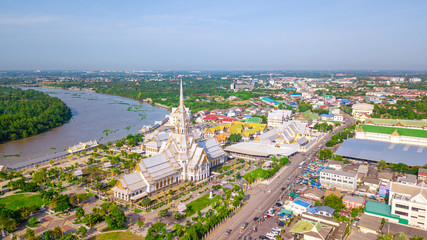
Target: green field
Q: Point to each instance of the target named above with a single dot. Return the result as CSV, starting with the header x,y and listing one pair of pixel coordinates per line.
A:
x,y
22,200
199,204
255,173
117,235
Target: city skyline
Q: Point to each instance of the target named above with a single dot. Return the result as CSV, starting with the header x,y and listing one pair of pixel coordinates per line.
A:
x,y
190,35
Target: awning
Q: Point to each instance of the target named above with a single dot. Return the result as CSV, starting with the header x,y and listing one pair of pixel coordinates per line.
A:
x,y
286,211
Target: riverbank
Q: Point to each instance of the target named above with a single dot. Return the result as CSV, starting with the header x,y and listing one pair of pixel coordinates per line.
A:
x,y
96,116
29,112
91,90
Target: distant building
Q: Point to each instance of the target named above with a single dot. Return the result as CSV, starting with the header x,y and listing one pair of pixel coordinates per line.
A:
x,y
360,108
338,179
338,118
327,117
414,80
277,117
82,147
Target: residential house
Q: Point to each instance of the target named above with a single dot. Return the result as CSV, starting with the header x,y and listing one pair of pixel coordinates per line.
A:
x,y
372,183
338,118
325,211
422,174
299,206
314,194
336,165
409,179
369,224
353,201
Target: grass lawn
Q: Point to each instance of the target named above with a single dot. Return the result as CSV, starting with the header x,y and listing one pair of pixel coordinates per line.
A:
x,y
255,173
117,235
21,200
199,204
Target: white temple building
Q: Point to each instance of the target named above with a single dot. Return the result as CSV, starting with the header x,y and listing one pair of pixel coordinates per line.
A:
x,y
173,157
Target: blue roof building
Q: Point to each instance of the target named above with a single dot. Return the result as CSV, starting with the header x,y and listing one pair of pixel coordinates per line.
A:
x,y
325,211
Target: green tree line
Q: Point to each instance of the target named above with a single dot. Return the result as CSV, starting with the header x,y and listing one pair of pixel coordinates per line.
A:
x,y
28,112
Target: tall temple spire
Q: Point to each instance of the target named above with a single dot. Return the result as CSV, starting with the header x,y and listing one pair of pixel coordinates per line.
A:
x,y
181,95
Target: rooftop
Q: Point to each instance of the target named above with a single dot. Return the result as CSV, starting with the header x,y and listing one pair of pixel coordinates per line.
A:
x,y
330,171
411,155
302,203
301,227
353,199
260,149
389,130
380,209
370,222
392,122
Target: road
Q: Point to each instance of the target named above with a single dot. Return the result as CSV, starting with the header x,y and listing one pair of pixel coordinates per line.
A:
x,y
264,196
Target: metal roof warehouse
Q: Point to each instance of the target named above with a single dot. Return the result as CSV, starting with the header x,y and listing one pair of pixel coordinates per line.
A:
x,y
375,151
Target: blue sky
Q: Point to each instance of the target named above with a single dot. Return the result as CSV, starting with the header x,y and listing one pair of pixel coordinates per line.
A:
x,y
213,35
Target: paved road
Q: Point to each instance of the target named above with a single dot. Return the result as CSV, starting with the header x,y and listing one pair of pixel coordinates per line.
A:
x,y
264,196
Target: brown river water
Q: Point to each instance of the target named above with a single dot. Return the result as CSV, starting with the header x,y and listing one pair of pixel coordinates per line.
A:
x,y
93,113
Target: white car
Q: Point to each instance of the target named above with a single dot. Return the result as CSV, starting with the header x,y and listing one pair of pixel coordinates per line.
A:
x,y
270,236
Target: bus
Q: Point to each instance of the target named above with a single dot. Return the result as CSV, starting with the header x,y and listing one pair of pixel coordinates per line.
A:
x,y
301,164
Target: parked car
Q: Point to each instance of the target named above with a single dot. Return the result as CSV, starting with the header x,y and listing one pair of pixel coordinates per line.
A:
x,y
262,237
244,225
256,219
228,231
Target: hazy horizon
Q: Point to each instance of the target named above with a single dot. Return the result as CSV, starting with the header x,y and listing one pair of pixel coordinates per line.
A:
x,y
213,36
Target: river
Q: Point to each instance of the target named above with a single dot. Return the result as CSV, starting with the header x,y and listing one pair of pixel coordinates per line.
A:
x,y
93,114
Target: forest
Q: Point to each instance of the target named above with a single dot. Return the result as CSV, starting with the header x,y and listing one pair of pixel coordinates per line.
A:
x,y
28,112
403,109
199,94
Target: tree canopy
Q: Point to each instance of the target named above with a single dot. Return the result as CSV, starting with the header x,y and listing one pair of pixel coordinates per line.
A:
x,y
29,112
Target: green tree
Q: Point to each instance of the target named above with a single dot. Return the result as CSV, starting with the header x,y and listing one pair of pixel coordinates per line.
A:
x,y
385,237
57,232
8,224
82,231
177,216
131,142
61,203
33,222
401,236
235,137
40,176
29,234
80,212
382,164
163,213
116,219
140,223
334,202
145,201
